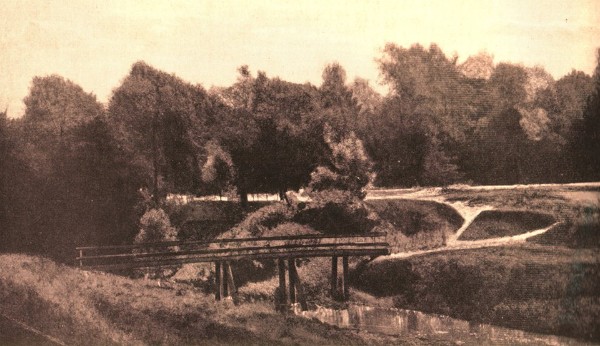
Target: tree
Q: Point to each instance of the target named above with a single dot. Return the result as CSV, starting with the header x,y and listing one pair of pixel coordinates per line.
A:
x,y
337,189
350,168
367,99
479,66
430,87
338,106
69,182
155,226
164,122
588,147
218,171
4,159
572,92
429,108
501,147
508,85
272,131
55,105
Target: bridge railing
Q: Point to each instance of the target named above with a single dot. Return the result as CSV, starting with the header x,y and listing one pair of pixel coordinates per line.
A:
x,y
173,253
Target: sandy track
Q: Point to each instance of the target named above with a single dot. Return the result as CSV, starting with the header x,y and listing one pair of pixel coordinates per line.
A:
x,y
469,214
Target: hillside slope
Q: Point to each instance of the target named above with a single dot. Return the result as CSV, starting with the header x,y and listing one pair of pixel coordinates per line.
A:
x,y
79,307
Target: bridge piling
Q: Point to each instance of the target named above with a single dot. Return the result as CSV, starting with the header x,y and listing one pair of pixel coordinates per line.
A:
x,y
218,281
298,285
231,289
345,284
292,279
334,276
223,275
283,299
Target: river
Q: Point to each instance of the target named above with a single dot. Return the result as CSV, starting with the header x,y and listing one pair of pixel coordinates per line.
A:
x,y
416,323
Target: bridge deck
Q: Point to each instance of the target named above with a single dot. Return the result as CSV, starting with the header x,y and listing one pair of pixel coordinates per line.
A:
x,y
223,251
175,253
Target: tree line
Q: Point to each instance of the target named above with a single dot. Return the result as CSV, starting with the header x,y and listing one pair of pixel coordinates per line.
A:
x,y
75,171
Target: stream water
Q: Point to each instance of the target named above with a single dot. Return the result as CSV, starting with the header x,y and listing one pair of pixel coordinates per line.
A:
x,y
416,323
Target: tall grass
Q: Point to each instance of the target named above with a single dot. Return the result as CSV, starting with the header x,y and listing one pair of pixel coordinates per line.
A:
x,y
80,307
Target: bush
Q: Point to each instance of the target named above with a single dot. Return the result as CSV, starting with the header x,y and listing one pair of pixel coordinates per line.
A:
x,y
155,227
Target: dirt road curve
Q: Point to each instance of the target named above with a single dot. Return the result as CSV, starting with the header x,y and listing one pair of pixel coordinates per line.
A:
x,y
15,333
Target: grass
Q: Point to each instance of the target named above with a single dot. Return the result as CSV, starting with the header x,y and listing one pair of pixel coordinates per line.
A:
x,y
580,229
579,218
80,307
538,288
416,225
503,223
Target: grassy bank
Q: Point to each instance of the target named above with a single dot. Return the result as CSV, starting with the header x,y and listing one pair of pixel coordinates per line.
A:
x,y
504,223
416,225
577,210
538,288
80,307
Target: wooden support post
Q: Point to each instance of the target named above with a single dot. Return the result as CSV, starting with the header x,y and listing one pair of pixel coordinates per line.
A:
x,y
282,289
218,281
292,279
80,258
345,285
224,280
334,265
299,289
232,290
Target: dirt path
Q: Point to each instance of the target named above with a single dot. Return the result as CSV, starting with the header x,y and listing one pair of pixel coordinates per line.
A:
x,y
469,214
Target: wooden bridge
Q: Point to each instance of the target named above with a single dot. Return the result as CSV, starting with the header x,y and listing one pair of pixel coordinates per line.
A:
x,y
285,249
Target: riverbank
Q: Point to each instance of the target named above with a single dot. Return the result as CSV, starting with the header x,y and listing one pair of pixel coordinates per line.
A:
x,y
553,290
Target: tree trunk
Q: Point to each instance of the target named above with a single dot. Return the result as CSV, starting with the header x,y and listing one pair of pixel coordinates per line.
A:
x,y
243,198
154,165
283,196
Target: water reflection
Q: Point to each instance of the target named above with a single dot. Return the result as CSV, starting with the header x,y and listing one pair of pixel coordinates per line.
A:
x,y
409,322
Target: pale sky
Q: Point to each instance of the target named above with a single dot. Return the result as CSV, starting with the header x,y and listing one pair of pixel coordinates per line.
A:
x,y
94,43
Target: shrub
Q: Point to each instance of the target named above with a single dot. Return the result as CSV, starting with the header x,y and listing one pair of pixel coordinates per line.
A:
x,y
155,226
349,169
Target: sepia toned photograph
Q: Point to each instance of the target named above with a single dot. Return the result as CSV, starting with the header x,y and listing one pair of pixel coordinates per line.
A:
x,y
278,172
